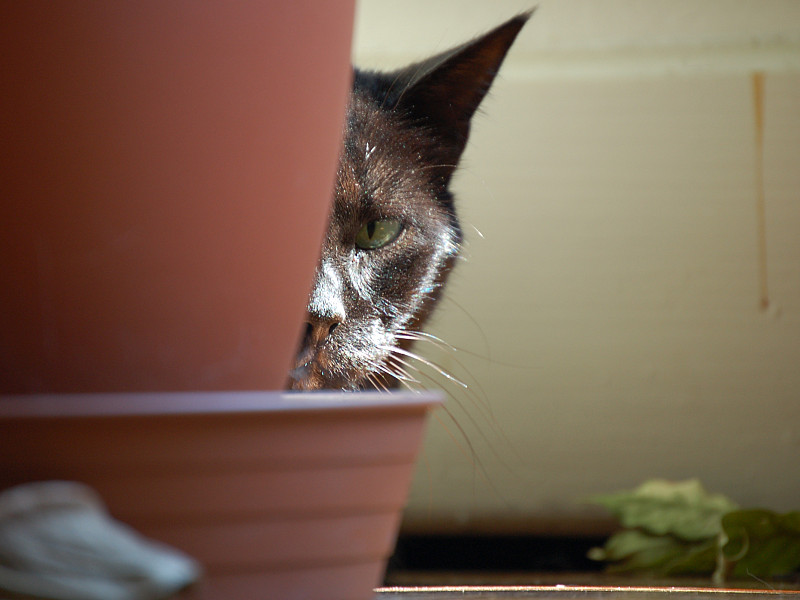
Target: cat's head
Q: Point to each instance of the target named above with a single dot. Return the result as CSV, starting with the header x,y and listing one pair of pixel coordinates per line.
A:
x,y
393,232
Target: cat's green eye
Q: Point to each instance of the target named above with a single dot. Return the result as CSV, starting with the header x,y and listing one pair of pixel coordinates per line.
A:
x,y
378,233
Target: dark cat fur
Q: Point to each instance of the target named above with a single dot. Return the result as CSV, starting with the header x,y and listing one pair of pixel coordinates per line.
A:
x,y
404,135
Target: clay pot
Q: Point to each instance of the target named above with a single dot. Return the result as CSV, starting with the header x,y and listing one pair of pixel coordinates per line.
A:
x,y
167,171
286,496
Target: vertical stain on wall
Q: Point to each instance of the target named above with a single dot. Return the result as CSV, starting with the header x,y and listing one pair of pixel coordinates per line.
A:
x,y
761,216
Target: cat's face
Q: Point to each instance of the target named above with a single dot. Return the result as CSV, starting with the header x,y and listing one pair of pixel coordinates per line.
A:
x,y
393,233
391,236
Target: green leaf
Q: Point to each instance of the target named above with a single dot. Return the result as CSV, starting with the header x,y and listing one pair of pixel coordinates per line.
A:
x,y
635,550
679,528
629,542
699,558
760,542
683,509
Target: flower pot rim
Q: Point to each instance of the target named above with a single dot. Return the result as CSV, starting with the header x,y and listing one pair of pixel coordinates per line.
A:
x,y
120,404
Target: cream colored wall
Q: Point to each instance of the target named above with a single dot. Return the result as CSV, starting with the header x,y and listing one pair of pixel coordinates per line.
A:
x,y
616,319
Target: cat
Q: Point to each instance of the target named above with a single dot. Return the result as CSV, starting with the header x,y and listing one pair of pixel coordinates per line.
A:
x,y
393,233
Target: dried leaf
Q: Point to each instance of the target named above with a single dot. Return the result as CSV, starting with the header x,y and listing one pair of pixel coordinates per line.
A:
x,y
683,509
759,542
679,528
635,550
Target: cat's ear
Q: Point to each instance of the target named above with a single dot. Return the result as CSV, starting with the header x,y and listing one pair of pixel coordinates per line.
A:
x,y
445,90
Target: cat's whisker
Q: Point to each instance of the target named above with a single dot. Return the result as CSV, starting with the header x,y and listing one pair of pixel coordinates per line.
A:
x,y
478,231
377,383
477,397
469,452
410,387
397,371
453,350
424,334
432,365
479,400
436,345
484,338
480,431
368,380
421,336
406,365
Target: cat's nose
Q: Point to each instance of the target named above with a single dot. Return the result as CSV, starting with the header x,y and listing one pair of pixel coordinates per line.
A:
x,y
319,329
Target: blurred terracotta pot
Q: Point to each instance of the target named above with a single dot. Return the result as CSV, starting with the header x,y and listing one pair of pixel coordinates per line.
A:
x,y
285,496
167,169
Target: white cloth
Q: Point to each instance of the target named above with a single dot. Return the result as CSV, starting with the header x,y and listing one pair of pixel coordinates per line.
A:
x,y
58,542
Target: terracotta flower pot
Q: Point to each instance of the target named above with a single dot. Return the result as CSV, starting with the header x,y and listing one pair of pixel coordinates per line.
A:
x,y
167,169
285,496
